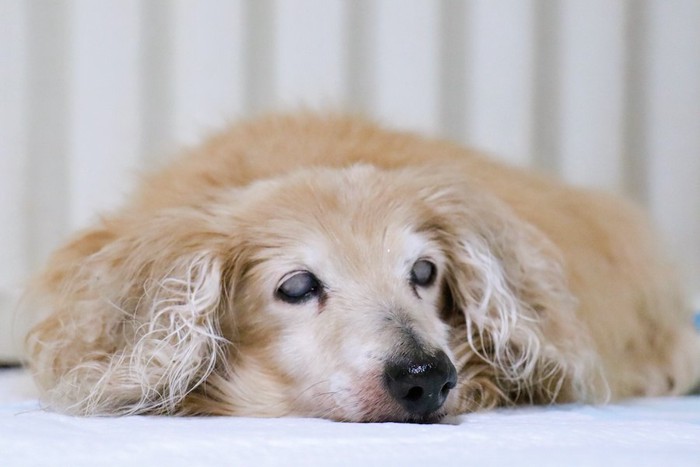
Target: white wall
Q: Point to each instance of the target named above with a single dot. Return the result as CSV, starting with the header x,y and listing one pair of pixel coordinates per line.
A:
x,y
605,93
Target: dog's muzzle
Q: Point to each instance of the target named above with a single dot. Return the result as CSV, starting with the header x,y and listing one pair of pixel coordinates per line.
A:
x,y
420,382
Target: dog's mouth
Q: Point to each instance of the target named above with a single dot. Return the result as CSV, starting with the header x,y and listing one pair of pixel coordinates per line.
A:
x,y
428,419
400,416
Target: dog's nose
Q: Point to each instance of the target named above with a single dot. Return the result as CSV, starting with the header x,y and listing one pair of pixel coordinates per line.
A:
x,y
420,382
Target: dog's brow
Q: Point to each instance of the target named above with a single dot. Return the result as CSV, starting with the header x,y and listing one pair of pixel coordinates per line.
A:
x,y
430,226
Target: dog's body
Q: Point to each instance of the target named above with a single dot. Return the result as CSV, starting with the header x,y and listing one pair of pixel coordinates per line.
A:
x,y
325,267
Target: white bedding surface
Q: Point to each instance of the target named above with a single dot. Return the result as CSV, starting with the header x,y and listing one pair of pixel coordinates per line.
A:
x,y
663,432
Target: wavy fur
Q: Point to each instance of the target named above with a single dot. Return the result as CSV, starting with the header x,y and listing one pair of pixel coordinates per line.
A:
x,y
541,293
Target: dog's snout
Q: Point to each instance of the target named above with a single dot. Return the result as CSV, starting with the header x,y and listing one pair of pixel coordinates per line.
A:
x,y
420,382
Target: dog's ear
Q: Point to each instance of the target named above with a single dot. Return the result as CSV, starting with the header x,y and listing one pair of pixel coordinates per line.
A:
x,y
507,281
135,306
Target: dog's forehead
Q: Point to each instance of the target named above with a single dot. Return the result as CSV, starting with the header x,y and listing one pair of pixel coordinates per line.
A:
x,y
390,242
338,250
343,219
345,246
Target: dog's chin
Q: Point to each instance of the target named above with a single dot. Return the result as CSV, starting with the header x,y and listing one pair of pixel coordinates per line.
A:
x,y
425,419
432,418
390,413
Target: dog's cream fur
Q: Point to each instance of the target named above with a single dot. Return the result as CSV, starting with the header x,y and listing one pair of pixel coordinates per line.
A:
x,y
544,293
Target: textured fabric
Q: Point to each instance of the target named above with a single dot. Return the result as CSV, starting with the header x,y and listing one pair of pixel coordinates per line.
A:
x,y
642,432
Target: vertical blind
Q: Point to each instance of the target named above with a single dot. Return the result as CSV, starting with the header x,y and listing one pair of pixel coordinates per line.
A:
x,y
604,93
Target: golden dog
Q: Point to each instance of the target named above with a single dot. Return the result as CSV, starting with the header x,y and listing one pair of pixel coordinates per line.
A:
x,y
322,266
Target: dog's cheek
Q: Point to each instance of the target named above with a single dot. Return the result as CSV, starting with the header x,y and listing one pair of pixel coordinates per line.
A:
x,y
341,373
306,352
363,399
452,403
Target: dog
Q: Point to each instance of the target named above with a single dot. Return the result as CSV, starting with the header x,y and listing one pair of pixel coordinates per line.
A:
x,y
321,266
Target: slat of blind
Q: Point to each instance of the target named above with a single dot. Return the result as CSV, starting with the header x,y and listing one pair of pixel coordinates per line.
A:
x,y
635,155
359,43
673,127
453,69
500,81
592,92
47,209
157,98
546,107
13,156
405,63
258,55
104,117
13,168
207,69
309,53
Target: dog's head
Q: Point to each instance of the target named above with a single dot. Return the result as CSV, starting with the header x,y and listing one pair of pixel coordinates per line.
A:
x,y
343,289
336,306
330,293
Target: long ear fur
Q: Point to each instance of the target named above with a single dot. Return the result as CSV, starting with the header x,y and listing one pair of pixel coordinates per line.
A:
x,y
134,314
508,283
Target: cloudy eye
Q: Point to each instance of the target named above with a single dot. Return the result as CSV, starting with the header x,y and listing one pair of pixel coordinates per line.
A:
x,y
299,288
423,273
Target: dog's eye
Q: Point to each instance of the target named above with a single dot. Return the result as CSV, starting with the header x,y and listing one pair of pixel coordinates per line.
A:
x,y
423,273
299,288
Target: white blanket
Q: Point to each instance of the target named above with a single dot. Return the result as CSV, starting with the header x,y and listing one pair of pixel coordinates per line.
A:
x,y
664,432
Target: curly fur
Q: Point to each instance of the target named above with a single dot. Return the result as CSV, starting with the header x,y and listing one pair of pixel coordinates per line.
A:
x,y
543,293
158,332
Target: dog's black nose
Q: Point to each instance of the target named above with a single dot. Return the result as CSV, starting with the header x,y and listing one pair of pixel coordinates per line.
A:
x,y
420,382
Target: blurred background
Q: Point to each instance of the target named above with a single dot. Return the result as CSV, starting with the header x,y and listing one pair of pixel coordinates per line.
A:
x,y
604,93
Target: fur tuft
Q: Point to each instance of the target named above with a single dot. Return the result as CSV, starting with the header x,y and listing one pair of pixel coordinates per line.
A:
x,y
510,285
171,351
